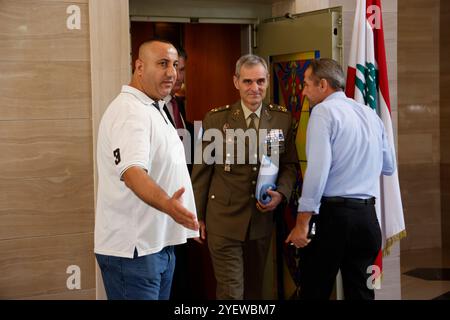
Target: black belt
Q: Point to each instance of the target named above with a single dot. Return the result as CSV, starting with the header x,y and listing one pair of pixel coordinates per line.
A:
x,y
343,200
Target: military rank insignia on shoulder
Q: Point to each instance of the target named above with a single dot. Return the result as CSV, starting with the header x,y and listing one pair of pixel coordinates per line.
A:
x,y
277,108
220,109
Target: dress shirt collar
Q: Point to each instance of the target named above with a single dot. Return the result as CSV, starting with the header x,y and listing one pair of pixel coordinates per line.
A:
x,y
335,95
168,98
247,111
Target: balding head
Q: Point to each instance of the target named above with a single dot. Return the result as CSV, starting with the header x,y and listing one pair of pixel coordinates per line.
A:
x,y
155,69
147,47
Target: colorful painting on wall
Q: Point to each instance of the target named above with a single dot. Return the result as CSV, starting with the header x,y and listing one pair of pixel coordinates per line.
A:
x,y
287,73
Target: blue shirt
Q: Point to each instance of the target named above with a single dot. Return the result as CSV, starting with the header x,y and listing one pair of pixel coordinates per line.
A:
x,y
347,150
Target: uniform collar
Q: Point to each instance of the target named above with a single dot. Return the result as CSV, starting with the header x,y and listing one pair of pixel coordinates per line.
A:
x,y
248,112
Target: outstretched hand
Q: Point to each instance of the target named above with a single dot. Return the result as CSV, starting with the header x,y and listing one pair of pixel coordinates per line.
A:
x,y
179,213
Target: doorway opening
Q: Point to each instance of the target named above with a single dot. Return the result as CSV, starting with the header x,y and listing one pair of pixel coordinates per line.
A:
x,y
212,51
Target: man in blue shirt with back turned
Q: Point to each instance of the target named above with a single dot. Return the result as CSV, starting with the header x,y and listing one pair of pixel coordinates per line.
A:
x,y
347,151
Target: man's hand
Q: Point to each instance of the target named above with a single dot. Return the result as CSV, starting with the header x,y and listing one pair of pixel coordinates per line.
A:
x,y
276,200
152,194
299,234
179,213
202,237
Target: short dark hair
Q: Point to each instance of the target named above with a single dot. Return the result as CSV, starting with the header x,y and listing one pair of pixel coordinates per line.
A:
x,y
181,52
329,70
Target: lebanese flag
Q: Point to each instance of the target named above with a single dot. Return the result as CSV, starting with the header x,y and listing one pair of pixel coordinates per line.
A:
x,y
367,83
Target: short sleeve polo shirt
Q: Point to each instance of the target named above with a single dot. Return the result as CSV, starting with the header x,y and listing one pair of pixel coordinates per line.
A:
x,y
133,132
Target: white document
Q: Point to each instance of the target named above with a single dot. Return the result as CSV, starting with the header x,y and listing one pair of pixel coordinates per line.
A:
x,y
267,177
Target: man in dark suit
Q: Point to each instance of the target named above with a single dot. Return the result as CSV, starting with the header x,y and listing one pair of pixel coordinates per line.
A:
x,y
239,227
175,110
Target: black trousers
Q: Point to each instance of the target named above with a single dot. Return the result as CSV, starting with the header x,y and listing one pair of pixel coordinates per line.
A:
x,y
348,237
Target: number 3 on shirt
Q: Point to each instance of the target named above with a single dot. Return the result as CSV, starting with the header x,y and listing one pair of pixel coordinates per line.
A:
x,y
117,156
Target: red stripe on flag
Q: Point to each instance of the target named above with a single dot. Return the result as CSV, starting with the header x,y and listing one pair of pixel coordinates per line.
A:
x,y
380,56
379,260
351,79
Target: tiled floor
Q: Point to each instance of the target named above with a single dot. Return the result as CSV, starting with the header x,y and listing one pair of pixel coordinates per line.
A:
x,y
425,274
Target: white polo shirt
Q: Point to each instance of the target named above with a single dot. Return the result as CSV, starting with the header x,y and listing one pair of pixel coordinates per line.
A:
x,y
133,132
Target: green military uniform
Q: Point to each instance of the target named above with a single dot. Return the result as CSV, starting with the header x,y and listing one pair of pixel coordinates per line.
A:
x,y
225,196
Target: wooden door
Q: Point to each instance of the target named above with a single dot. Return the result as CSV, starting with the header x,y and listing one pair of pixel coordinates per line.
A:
x,y
213,50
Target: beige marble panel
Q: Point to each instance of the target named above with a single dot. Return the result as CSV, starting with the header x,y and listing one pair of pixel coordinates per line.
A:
x,y
419,124
418,36
280,8
88,294
424,258
422,209
350,5
419,181
416,148
37,31
44,90
418,117
310,5
38,266
422,236
46,206
418,88
418,57
110,54
110,67
420,190
45,148
393,93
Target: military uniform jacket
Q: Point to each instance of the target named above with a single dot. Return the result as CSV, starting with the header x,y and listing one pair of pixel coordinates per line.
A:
x,y
225,194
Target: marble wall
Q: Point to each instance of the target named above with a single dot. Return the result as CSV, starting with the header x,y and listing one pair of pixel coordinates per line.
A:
x,y
46,167
419,150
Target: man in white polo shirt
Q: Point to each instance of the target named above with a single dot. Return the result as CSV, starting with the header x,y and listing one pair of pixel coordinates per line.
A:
x,y
145,202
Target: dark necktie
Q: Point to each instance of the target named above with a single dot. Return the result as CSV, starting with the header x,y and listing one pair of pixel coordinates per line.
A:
x,y
252,124
176,114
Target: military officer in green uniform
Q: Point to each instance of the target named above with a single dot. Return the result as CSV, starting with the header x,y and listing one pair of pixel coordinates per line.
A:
x,y
236,226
